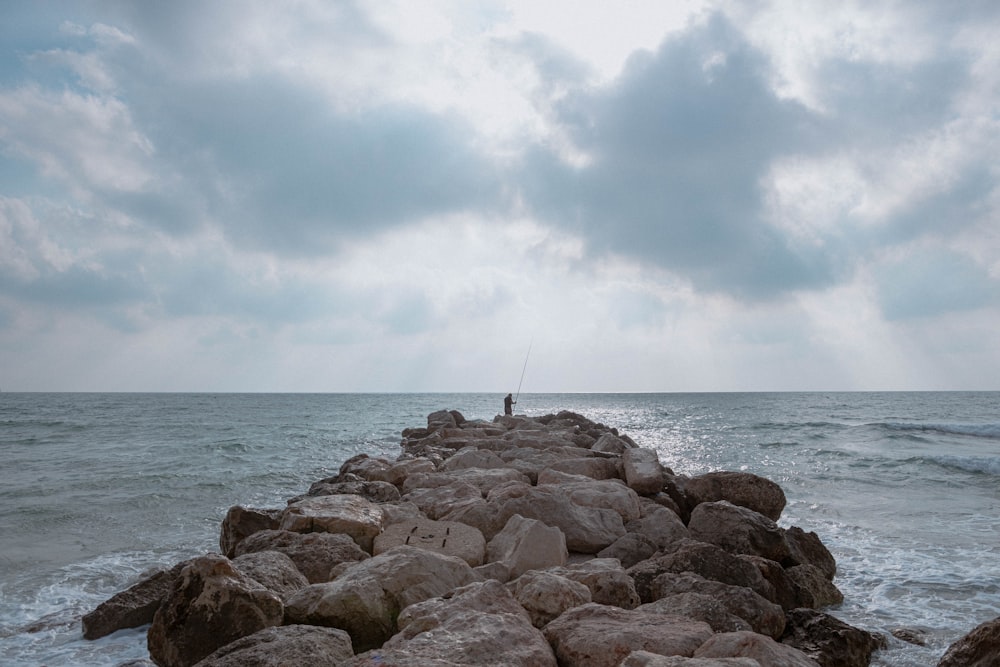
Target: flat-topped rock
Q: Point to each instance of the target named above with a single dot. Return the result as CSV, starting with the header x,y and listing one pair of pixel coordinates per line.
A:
x,y
351,515
444,537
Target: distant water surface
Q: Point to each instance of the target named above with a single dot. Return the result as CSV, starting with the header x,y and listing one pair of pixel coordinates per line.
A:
x,y
904,488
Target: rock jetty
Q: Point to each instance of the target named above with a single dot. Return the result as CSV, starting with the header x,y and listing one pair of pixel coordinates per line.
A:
x,y
525,541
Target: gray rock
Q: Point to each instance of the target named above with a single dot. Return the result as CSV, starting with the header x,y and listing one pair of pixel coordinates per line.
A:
x,y
285,645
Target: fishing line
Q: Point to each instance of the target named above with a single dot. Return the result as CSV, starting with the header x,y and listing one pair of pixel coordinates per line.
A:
x,y
523,369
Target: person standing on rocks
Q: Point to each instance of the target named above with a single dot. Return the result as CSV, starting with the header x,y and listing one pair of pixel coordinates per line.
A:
x,y
508,403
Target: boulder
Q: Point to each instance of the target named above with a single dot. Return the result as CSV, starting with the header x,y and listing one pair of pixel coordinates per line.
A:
x,y
587,529
441,419
210,605
740,488
241,522
376,491
132,607
314,554
444,537
595,635
662,526
763,649
979,648
609,494
643,471
473,457
707,560
591,466
400,470
273,570
807,549
738,530
647,659
608,582
610,444
829,641
762,615
787,593
546,595
437,501
527,544
483,479
351,515
365,467
629,549
487,518
812,587
366,599
285,645
478,624
698,607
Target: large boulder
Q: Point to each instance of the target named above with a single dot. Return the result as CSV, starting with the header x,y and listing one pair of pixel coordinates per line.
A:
x,y
478,624
762,615
376,491
707,560
349,514
546,595
643,471
211,604
437,501
527,544
132,607
830,641
285,645
590,466
629,549
698,607
473,457
763,649
444,537
610,494
812,588
366,599
738,530
587,529
740,488
807,549
979,648
607,580
241,522
273,570
610,443
595,635
663,526
314,554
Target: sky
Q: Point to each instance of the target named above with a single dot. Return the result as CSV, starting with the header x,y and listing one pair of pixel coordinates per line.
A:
x,y
453,196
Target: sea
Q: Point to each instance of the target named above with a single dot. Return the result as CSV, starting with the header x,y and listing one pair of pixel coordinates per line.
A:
x,y
99,488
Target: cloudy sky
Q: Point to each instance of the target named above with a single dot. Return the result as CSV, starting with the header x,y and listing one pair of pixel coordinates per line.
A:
x,y
406,195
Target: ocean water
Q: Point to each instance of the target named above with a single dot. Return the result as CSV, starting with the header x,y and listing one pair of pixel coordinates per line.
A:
x,y
904,488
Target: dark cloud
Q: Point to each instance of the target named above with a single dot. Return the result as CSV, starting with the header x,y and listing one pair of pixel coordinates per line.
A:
x,y
679,146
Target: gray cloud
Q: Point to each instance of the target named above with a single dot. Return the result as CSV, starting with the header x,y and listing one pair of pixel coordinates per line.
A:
x,y
679,146
932,283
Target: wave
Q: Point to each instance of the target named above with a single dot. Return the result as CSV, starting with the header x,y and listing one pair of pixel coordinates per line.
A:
x,y
989,465
987,431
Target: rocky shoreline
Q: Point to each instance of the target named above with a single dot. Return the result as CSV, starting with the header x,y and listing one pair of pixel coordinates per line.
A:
x,y
538,541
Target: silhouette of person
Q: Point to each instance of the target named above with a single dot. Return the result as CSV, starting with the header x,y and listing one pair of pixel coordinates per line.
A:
x,y
508,402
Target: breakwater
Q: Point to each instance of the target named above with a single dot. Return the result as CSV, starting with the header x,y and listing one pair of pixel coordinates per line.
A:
x,y
520,541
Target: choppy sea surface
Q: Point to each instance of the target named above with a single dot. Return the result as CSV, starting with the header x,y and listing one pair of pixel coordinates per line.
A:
x,y
904,488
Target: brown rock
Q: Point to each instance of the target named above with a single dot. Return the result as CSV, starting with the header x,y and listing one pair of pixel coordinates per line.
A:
x,y
764,616
285,645
629,549
642,470
351,515
132,607
829,641
707,560
595,635
698,607
979,648
241,522
527,544
314,554
646,659
740,488
211,604
273,570
444,537
807,549
763,649
813,589
546,595
607,580
738,530
663,526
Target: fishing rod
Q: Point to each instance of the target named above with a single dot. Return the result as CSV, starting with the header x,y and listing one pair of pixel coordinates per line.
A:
x,y
523,369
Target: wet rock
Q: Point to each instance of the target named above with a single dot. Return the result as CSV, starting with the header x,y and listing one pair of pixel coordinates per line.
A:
x,y
595,635
829,641
738,530
740,488
979,648
210,605
132,607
